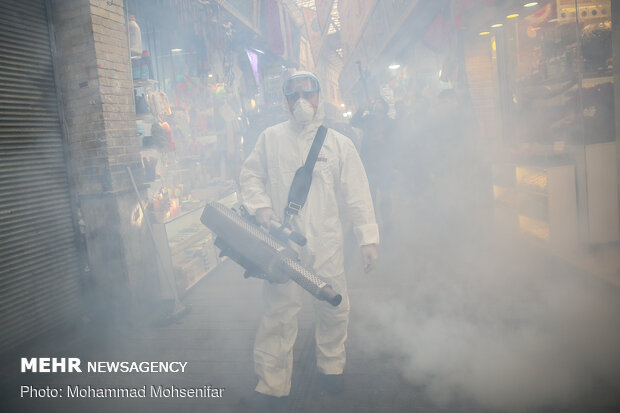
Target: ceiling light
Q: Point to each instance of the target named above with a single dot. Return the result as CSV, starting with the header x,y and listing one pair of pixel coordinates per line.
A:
x,y
259,51
484,33
532,4
210,75
495,26
342,105
176,50
394,66
512,16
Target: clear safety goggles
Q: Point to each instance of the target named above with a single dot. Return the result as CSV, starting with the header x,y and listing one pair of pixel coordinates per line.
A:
x,y
300,85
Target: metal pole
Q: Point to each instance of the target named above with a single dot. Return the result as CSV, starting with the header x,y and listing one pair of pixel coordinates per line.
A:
x,y
179,308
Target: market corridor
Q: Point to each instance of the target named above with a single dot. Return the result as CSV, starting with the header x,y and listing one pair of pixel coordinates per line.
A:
x,y
488,180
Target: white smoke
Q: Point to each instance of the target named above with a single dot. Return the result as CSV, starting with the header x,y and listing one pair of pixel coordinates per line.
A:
x,y
493,321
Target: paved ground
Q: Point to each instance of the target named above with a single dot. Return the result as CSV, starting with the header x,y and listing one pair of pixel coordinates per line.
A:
x,y
215,338
449,322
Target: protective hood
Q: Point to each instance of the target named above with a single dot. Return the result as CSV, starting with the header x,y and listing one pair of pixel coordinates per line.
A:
x,y
313,125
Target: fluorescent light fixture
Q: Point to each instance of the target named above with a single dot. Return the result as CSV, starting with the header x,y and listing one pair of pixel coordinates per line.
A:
x,y
394,66
176,50
484,33
512,16
532,4
495,26
259,51
210,75
552,21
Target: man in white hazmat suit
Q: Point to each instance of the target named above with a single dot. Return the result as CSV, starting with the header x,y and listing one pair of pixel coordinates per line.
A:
x,y
265,179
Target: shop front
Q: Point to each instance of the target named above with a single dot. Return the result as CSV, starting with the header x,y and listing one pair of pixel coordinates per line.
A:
x,y
40,265
534,86
205,81
187,85
541,79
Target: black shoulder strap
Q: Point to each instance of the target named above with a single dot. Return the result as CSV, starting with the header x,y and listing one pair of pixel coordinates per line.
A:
x,y
298,194
313,155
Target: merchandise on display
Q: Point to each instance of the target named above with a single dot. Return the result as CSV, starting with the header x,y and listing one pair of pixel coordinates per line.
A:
x,y
135,37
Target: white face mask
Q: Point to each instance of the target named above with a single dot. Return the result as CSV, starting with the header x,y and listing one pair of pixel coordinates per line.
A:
x,y
303,111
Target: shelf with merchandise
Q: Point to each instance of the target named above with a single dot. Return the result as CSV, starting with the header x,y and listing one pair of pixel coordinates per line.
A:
x,y
187,245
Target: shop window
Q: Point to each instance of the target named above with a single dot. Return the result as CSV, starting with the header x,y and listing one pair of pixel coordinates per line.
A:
x,y
555,74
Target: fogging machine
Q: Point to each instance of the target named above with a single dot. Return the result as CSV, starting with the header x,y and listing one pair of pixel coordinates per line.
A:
x,y
263,254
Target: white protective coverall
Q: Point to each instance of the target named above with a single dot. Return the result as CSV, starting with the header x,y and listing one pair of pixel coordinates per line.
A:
x,y
265,179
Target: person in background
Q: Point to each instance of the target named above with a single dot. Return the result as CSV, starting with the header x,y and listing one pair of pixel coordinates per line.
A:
x,y
376,150
265,179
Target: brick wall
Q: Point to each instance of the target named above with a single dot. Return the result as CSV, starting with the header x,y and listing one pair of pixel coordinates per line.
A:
x,y
97,89
116,87
95,83
79,86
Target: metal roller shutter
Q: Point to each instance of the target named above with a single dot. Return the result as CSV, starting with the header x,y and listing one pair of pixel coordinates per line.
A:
x,y
39,267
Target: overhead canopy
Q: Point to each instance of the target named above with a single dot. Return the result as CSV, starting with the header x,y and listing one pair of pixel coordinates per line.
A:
x,y
406,23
